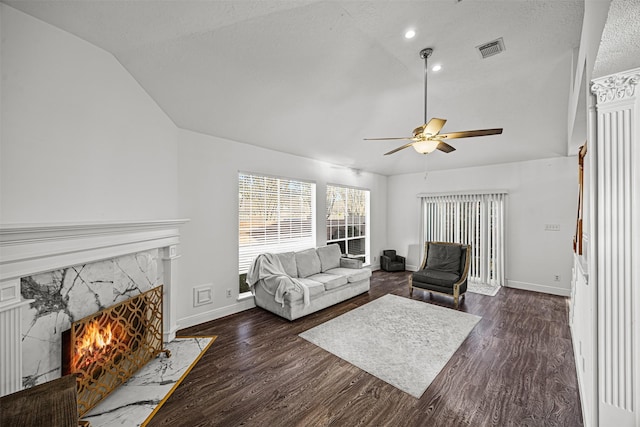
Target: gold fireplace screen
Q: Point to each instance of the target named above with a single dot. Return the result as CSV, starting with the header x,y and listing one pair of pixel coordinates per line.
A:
x,y
103,350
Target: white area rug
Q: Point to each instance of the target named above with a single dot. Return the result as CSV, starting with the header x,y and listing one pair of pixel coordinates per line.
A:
x,y
403,342
136,401
482,288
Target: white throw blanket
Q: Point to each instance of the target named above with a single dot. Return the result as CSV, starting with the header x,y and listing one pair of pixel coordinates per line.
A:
x,y
269,269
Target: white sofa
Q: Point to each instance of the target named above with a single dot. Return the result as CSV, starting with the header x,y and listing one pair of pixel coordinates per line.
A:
x,y
280,281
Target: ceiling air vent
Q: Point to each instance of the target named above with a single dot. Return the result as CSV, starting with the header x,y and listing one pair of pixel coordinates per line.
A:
x,y
492,48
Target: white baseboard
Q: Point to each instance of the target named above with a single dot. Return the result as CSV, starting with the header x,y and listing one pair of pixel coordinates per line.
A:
x,y
217,313
410,267
539,288
373,267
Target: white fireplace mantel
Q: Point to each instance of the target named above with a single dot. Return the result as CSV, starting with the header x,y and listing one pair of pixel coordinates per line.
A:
x,y
35,248
28,249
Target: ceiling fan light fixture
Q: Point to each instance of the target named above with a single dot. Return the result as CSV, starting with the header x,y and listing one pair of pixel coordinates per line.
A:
x,y
427,138
426,147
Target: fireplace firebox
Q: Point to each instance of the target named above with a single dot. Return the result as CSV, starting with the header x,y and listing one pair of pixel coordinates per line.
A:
x,y
106,348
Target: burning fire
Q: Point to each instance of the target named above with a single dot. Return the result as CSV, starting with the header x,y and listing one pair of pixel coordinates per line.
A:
x,y
94,339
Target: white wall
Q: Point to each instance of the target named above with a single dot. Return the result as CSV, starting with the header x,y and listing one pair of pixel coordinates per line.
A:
x,y
80,139
208,187
540,192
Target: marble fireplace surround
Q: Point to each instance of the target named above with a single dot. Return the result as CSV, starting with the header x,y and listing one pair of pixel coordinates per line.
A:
x,y
27,250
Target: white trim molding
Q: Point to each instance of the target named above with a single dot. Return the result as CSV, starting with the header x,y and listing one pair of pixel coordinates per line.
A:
x,y
616,87
617,152
31,249
535,287
217,313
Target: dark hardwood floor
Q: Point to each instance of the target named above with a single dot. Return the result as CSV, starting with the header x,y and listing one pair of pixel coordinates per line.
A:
x,y
516,368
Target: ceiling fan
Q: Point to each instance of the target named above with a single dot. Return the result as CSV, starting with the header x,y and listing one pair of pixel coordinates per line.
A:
x,y
427,138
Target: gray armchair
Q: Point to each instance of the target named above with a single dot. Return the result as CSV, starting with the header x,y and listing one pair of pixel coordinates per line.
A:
x,y
444,270
389,261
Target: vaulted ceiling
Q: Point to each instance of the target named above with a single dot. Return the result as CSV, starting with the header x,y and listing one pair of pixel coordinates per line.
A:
x,y
313,78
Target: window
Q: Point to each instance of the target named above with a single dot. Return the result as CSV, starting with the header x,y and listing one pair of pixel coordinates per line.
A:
x,y
471,219
274,215
348,220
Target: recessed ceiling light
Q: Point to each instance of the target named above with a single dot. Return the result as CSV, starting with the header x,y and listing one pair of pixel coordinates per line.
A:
x,y
437,67
409,34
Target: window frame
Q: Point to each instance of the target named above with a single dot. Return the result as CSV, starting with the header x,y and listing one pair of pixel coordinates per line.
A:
x,y
350,227
284,212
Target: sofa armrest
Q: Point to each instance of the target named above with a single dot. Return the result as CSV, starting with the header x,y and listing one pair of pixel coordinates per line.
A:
x,y
401,259
350,263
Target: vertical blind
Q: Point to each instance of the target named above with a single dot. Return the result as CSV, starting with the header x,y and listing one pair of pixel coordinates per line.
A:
x,y
472,219
274,215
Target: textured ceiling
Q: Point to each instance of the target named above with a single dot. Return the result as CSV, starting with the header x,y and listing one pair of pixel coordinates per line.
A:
x,y
620,45
314,78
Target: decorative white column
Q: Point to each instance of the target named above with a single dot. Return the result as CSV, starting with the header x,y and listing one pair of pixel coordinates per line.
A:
x,y
618,247
170,267
11,304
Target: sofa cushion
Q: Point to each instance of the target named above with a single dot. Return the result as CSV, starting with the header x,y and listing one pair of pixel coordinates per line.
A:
x,y
307,262
443,258
352,274
436,277
315,288
330,281
288,261
329,256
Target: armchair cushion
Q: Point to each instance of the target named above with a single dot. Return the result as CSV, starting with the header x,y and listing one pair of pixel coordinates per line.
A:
x,y
391,253
436,277
444,258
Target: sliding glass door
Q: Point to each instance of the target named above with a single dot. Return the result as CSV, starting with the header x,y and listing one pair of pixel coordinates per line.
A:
x,y
473,219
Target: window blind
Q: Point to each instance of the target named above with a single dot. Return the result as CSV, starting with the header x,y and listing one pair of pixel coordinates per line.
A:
x,y
473,219
274,215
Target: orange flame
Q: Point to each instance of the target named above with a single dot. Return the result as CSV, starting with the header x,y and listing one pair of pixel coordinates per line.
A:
x,y
94,339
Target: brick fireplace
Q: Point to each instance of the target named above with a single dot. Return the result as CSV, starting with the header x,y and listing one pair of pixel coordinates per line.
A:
x,y
52,275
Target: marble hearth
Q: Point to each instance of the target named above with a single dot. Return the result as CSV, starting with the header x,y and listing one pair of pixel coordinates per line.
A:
x,y
53,274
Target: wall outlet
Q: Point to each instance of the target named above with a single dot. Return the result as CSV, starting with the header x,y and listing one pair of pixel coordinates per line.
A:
x,y
228,293
556,278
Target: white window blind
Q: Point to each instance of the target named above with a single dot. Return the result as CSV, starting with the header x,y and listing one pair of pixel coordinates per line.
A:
x,y
473,219
275,215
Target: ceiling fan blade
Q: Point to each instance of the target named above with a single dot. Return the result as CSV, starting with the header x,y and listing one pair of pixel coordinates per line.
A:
x,y
387,139
399,148
434,126
470,133
443,146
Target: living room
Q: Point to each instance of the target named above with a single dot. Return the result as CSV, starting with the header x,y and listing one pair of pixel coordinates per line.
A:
x,y
84,142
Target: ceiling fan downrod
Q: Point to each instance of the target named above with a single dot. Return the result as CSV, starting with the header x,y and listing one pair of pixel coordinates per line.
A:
x,y
425,54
